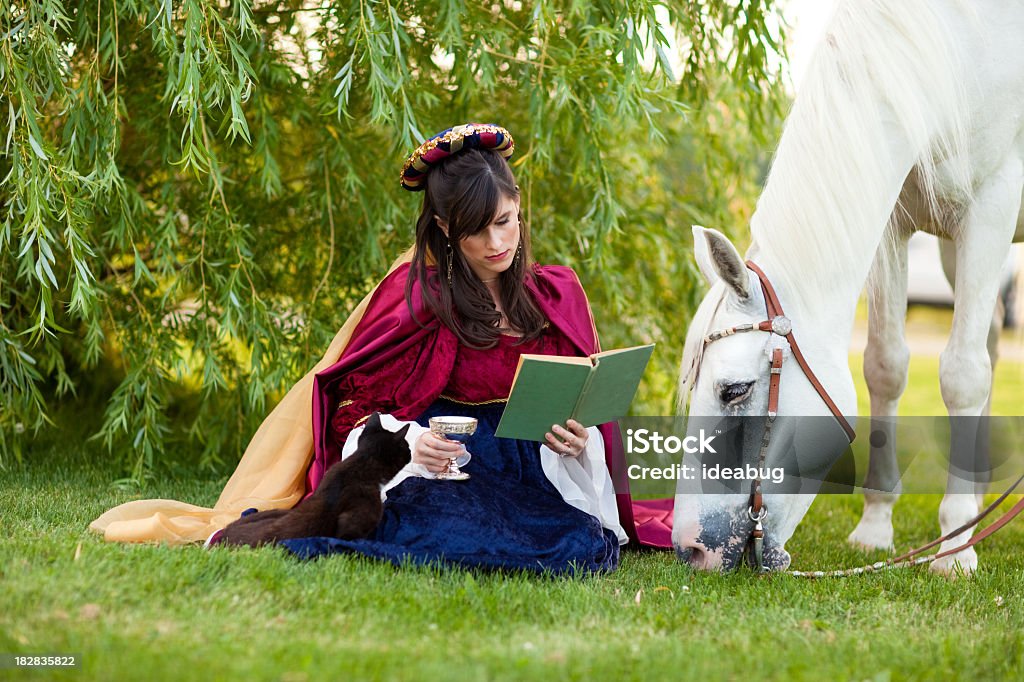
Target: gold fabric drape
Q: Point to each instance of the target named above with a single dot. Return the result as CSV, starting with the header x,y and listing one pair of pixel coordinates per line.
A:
x,y
270,475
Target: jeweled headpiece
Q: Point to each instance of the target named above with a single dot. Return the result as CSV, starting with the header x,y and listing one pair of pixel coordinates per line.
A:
x,y
452,141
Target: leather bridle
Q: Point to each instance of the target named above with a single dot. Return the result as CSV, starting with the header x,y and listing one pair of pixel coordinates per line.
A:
x,y
781,328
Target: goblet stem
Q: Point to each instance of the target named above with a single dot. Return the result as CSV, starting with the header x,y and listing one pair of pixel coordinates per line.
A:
x,y
452,472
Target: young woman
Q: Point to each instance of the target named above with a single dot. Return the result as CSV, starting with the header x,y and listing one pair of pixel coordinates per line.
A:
x,y
443,336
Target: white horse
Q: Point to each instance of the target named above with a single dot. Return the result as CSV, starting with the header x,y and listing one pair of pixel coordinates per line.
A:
x,y
911,117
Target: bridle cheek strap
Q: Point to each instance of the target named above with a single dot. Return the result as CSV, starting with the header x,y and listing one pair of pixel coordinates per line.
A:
x,y
774,309
780,325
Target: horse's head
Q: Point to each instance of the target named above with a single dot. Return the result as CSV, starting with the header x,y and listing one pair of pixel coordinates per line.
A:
x,y
728,380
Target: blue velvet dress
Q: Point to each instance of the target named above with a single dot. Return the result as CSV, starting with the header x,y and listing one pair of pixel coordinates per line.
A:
x,y
507,515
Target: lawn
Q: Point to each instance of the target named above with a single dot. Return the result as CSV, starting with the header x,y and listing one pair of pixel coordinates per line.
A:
x,y
158,613
927,331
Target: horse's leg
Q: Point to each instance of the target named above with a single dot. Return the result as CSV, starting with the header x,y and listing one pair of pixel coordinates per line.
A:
x,y
886,359
965,370
948,253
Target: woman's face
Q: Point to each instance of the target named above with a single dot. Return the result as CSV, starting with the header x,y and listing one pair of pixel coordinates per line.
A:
x,y
490,251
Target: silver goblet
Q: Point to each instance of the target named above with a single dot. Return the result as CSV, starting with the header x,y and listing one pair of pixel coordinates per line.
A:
x,y
457,429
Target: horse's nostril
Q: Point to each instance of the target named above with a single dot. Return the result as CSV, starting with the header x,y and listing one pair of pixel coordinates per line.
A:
x,y
694,556
698,558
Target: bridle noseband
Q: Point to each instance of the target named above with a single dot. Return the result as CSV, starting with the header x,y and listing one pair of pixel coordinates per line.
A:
x,y
780,327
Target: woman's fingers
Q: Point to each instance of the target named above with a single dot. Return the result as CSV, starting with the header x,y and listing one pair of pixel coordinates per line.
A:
x,y
434,452
578,429
437,445
433,464
443,445
568,442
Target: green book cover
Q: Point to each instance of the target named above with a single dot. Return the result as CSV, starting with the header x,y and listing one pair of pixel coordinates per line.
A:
x,y
551,389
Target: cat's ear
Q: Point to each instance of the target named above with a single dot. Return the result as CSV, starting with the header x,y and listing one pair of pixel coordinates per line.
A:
x,y
373,423
402,431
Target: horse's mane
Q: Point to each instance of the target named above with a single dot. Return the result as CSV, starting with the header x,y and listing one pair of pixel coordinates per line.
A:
x,y
883,67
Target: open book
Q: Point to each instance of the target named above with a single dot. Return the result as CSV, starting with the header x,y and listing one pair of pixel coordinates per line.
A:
x,y
550,389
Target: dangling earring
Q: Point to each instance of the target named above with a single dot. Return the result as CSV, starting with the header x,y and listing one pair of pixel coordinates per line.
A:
x,y
519,251
451,255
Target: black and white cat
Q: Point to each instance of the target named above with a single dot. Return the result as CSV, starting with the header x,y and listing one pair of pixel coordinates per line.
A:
x,y
346,505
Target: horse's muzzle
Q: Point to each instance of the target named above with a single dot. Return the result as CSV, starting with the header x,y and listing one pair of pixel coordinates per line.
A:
x,y
719,542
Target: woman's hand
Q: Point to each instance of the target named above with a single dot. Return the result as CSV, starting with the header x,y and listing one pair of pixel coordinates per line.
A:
x,y
433,451
568,441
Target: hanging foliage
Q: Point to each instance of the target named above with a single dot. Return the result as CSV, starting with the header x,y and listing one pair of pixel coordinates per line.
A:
x,y
194,194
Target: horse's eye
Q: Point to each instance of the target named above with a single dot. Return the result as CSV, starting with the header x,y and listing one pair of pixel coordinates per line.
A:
x,y
732,394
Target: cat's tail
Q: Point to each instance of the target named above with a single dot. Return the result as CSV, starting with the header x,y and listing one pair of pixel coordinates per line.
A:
x,y
252,530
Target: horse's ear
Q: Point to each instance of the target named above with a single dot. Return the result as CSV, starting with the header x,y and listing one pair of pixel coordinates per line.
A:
x,y
718,259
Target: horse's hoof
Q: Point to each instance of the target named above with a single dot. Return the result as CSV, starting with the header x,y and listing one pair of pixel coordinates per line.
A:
x,y
870,536
963,563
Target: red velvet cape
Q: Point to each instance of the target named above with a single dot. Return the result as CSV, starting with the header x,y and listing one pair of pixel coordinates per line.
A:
x,y
397,365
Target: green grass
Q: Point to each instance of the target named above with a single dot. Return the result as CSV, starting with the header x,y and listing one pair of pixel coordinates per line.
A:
x,y
153,612
158,613
923,397
928,329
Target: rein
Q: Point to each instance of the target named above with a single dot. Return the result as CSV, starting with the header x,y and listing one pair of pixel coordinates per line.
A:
x,y
781,328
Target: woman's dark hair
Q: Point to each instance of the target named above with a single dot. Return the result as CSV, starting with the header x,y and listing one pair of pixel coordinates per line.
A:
x,y
465,192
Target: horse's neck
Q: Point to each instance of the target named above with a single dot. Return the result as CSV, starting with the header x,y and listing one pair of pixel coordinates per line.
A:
x,y
819,267
883,93
817,248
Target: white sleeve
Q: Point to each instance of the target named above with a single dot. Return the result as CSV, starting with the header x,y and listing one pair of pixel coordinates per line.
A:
x,y
585,483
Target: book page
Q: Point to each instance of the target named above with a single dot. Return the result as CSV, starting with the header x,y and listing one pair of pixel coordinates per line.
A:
x,y
615,380
546,389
